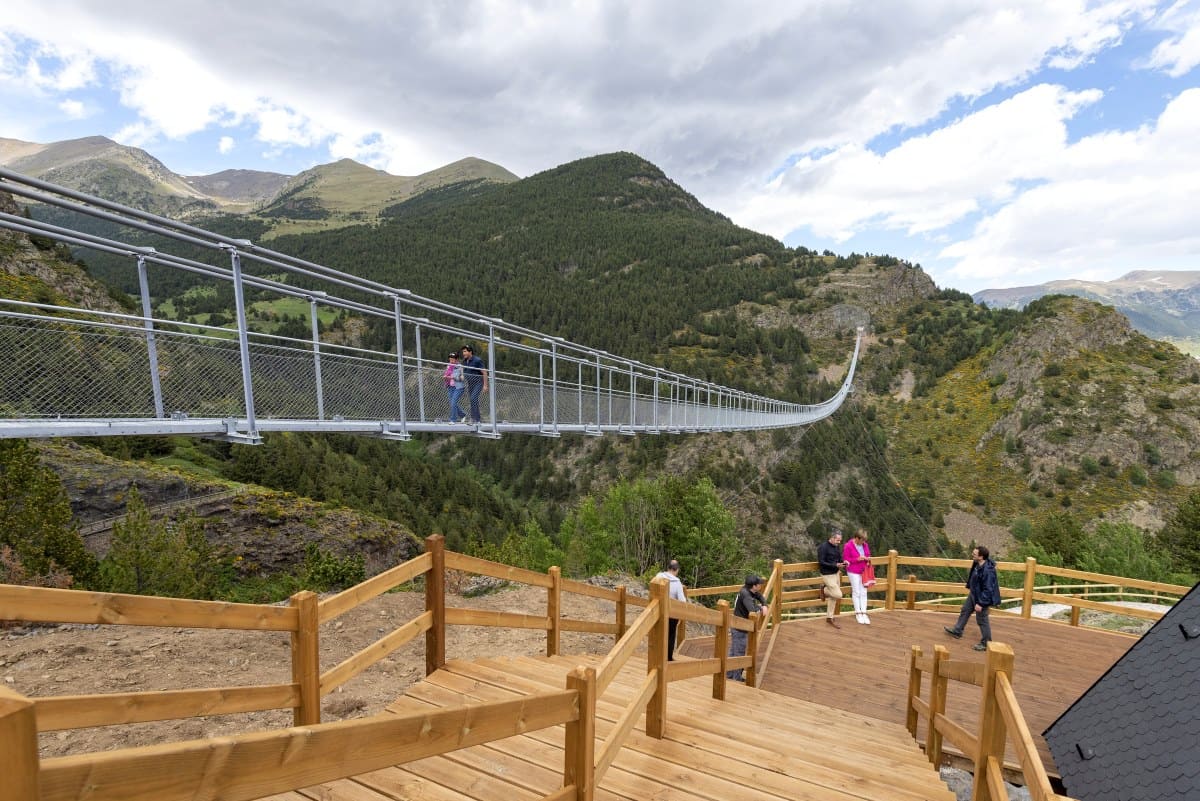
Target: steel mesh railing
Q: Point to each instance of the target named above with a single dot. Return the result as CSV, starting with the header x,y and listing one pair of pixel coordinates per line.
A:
x,y
67,371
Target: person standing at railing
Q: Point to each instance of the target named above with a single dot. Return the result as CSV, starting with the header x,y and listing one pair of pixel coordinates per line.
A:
x,y
858,556
675,593
455,384
750,601
983,592
477,379
829,562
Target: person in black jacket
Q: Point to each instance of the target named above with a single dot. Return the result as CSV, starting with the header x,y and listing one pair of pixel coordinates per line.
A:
x,y
750,601
829,562
983,593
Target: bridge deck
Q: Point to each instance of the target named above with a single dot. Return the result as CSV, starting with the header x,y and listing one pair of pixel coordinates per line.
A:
x,y
756,745
864,669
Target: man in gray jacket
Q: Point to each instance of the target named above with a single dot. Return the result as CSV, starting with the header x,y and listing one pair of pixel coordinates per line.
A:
x,y
675,593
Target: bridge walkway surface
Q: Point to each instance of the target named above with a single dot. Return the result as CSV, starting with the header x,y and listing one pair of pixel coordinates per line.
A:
x,y
756,745
864,669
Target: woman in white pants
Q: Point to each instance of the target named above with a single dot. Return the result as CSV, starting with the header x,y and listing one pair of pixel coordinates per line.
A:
x,y
857,555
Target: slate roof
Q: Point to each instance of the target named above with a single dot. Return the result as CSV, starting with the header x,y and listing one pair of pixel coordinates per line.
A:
x,y
1135,735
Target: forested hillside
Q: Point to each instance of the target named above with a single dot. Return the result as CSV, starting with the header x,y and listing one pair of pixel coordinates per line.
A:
x,y
965,421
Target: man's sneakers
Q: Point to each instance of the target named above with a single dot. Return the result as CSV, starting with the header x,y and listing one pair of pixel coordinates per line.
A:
x,y
979,646
833,623
955,634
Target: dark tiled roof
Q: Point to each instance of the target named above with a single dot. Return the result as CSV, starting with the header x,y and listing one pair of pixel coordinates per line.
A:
x,y
1135,735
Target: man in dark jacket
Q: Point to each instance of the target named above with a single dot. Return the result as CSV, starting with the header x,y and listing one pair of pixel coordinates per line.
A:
x,y
983,592
829,561
749,602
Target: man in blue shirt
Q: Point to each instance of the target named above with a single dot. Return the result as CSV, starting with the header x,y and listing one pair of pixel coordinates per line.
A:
x,y
983,593
477,379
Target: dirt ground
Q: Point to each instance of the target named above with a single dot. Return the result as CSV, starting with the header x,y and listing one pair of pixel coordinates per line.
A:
x,y
86,659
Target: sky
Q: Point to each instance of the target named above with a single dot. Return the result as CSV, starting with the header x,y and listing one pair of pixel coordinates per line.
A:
x,y
996,144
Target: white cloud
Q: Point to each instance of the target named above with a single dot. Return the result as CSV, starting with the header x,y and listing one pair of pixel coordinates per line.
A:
x,y
1139,210
1180,52
73,109
225,145
929,181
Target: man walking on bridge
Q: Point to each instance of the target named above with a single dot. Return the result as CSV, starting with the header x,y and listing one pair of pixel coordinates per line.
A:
x,y
477,379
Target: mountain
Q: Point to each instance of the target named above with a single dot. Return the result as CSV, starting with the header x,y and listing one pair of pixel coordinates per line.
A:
x,y
966,422
345,192
327,196
1163,304
239,189
101,167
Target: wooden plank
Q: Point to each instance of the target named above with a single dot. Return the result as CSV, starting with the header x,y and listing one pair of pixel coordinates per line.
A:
x,y
590,590
484,567
353,665
78,606
619,655
931,561
620,731
18,747
1101,606
959,737
995,780
1100,578
250,766
1027,756
700,592
81,711
589,626
375,586
306,659
921,705
965,672
693,612
680,670
495,619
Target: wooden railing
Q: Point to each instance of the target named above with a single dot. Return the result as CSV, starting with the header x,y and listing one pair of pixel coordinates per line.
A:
x,y
794,589
1000,720
252,765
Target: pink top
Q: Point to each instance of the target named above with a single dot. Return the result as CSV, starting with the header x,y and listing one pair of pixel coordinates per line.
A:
x,y
857,561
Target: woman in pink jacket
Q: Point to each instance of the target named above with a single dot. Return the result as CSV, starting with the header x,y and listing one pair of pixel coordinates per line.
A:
x,y
858,555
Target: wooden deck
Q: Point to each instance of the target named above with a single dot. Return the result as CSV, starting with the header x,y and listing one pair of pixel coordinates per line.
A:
x,y
864,669
755,746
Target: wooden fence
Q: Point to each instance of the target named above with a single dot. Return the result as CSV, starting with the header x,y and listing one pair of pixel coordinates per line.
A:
x,y
1000,720
793,590
252,765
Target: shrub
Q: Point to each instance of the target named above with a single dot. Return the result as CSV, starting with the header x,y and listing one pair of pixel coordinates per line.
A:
x,y
1137,476
1052,369
1090,466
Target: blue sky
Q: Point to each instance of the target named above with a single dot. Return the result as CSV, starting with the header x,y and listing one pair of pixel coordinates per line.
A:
x,y
995,143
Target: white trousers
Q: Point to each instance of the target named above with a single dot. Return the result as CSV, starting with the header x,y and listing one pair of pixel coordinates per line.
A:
x,y
858,593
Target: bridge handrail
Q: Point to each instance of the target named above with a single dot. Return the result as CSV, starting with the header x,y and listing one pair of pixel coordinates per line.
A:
x,y
1001,721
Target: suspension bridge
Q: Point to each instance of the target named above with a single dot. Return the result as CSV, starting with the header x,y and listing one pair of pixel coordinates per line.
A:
x,y
68,371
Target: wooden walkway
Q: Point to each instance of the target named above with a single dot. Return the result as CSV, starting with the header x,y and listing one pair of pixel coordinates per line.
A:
x,y
755,746
864,669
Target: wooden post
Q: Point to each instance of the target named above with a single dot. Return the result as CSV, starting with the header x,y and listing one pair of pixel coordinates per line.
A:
x,y
992,731
656,659
1074,615
18,747
751,673
306,664
937,705
777,596
579,744
435,602
914,690
1027,592
553,606
622,594
910,599
721,648
893,558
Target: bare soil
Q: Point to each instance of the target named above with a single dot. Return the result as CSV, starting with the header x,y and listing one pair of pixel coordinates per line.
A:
x,y
87,659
